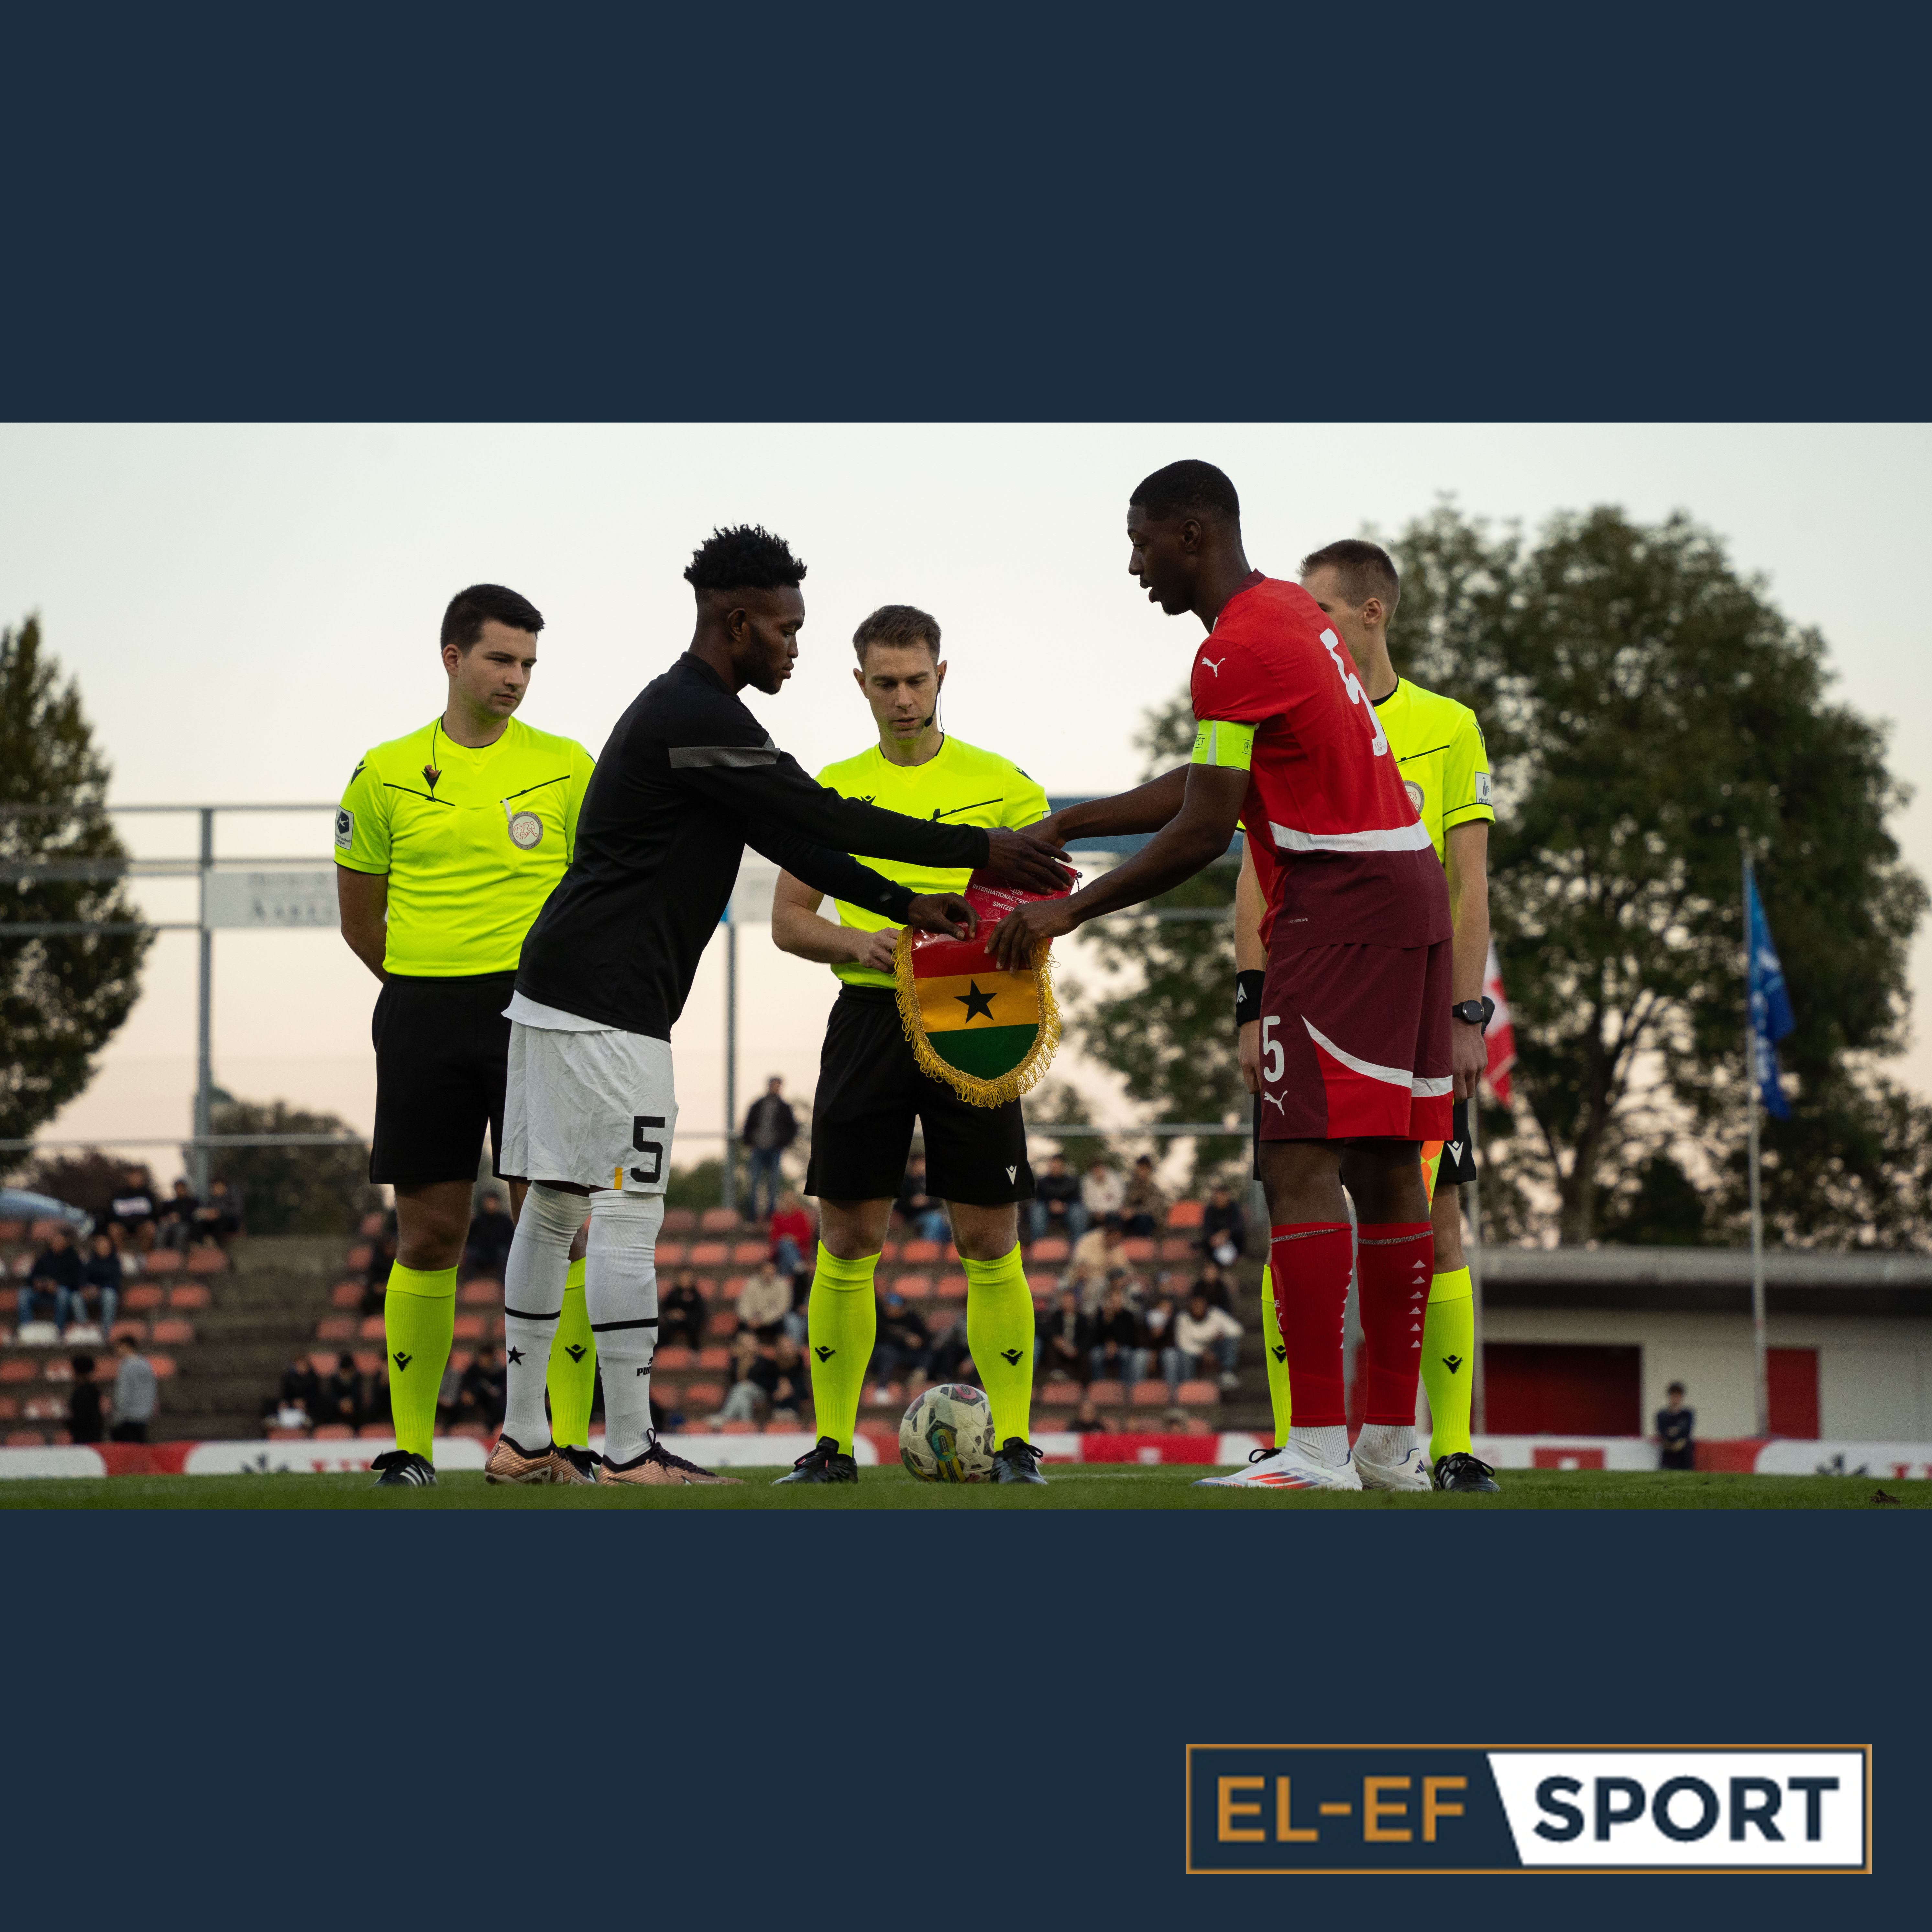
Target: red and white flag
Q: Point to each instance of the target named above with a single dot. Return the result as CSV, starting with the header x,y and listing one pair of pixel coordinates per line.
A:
x,y
1501,1037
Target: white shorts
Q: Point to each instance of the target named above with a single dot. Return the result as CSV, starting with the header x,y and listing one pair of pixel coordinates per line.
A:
x,y
596,1108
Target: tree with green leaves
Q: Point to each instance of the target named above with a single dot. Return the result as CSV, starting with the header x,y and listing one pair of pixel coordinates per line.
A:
x,y
1168,1031
63,993
292,1190
1650,714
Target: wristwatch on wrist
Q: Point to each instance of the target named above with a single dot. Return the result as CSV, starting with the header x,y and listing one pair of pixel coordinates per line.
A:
x,y
1472,1013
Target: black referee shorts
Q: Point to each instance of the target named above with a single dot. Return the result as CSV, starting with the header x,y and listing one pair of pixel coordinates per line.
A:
x,y
442,1048
871,1091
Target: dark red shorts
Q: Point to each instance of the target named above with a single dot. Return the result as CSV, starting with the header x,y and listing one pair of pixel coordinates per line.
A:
x,y
1355,1044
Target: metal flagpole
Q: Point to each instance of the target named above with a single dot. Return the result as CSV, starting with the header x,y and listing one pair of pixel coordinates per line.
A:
x,y
1478,1417
1760,1367
204,1080
727,1191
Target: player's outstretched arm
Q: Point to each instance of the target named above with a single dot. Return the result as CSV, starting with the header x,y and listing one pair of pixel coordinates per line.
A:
x,y
1196,836
1146,808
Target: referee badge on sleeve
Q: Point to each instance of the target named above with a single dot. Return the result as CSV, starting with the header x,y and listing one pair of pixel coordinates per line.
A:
x,y
526,829
1482,788
345,829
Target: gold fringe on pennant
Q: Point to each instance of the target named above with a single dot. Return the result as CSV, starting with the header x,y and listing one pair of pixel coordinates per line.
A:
x,y
1024,1078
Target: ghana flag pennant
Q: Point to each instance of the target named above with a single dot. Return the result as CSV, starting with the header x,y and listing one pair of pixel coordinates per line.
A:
x,y
989,1034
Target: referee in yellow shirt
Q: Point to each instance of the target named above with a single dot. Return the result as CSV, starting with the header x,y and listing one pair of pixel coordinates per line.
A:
x,y
1438,749
448,842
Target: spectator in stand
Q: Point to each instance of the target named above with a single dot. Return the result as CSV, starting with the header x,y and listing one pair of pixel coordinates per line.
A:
x,y
921,1211
53,1281
763,1302
1117,1353
176,1220
903,1342
1675,1425
1087,1420
1157,1323
1213,1284
792,1237
1200,1332
376,1276
1057,1205
480,1395
339,1399
99,1294
1096,1254
681,1314
1065,1340
301,1388
376,1399
1224,1228
777,1382
1144,1205
136,1394
770,1127
85,1421
486,1248
1103,1193
218,1219
132,1211
951,1359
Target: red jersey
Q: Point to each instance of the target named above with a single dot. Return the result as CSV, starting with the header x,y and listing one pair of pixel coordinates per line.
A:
x,y
1351,863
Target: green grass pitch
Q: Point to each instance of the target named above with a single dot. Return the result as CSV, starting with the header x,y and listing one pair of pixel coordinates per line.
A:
x,y
1117,1488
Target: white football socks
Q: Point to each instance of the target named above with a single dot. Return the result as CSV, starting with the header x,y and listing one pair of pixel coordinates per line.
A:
x,y
1329,1444
1386,1442
620,1296
533,1280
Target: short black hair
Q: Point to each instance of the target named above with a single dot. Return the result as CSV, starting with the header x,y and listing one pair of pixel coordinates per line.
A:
x,y
748,557
904,625
470,610
1364,570
1188,487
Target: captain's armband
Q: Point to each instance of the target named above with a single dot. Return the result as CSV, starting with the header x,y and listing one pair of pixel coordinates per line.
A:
x,y
1225,744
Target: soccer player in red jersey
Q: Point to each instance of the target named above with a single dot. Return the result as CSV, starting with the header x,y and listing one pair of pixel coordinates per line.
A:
x,y
1355,1009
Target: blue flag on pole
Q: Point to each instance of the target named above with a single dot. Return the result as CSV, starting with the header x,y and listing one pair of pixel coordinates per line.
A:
x,y
1770,1016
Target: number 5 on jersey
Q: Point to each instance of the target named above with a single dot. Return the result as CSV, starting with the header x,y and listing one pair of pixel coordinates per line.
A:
x,y
1274,1062
655,1149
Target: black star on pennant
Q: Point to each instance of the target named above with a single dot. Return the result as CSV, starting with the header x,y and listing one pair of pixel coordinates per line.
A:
x,y
978,1005
515,1355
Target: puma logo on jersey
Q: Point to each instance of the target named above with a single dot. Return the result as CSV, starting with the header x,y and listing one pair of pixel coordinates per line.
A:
x,y
1214,664
1273,1102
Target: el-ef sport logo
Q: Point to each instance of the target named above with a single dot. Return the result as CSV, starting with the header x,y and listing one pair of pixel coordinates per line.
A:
x,y
1473,1808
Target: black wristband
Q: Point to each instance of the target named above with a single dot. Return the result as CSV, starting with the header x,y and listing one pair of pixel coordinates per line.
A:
x,y
1248,995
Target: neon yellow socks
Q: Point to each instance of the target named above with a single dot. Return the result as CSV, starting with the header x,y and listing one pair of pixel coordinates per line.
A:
x,y
999,1332
572,1374
842,1323
1275,1354
1448,1361
418,1318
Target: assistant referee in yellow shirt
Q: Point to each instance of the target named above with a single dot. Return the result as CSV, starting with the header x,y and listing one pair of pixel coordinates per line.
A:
x,y
448,842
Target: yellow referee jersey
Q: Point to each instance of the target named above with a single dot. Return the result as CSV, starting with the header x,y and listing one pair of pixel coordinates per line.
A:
x,y
1439,750
959,784
472,841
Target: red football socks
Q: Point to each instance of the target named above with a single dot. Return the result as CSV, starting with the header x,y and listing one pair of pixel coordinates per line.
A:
x,y
1310,1261
1395,1260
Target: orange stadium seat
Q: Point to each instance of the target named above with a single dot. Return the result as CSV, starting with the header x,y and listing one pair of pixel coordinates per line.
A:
x,y
163,1366
1186,1214
670,1254
359,1256
1149,1394
460,1359
9,1408
798,1428
1199,1394
468,1328
913,1287
368,1362
951,1288
189,1295
372,1223
480,1291
1137,1248
374,1432
20,1370
674,1356
1176,1248
911,1251
1110,1393
709,1254
322,1361
888,1253
679,1220
724,1322
143,1294
139,1330
163,1260
177,1333
334,1431
1059,1395
207,1261
703,1395
714,1359
737,1429
58,1370
12,1231
337,1328
40,1230
346,1295
1049,1248
371,1330
734,1288
719,1220
748,1254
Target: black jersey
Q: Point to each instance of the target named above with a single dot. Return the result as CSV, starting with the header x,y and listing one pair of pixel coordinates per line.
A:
x,y
689,779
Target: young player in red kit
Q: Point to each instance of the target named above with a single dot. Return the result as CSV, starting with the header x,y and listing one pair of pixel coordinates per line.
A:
x,y
1354,1009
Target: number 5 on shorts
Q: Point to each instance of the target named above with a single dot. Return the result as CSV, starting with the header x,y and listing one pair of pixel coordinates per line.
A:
x,y
1274,1062
654,1148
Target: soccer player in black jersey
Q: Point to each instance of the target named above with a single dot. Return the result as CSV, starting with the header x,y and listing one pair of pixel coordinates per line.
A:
x,y
689,778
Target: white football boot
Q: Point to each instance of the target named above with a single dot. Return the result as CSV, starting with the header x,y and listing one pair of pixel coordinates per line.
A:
x,y
1292,1467
1392,1468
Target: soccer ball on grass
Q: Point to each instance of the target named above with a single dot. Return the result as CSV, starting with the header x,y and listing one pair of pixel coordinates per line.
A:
x,y
947,1435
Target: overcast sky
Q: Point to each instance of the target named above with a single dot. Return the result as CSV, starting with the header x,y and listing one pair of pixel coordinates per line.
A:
x,y
249,607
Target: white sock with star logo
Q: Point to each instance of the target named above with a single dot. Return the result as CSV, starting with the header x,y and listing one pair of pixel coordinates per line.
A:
x,y
533,1279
